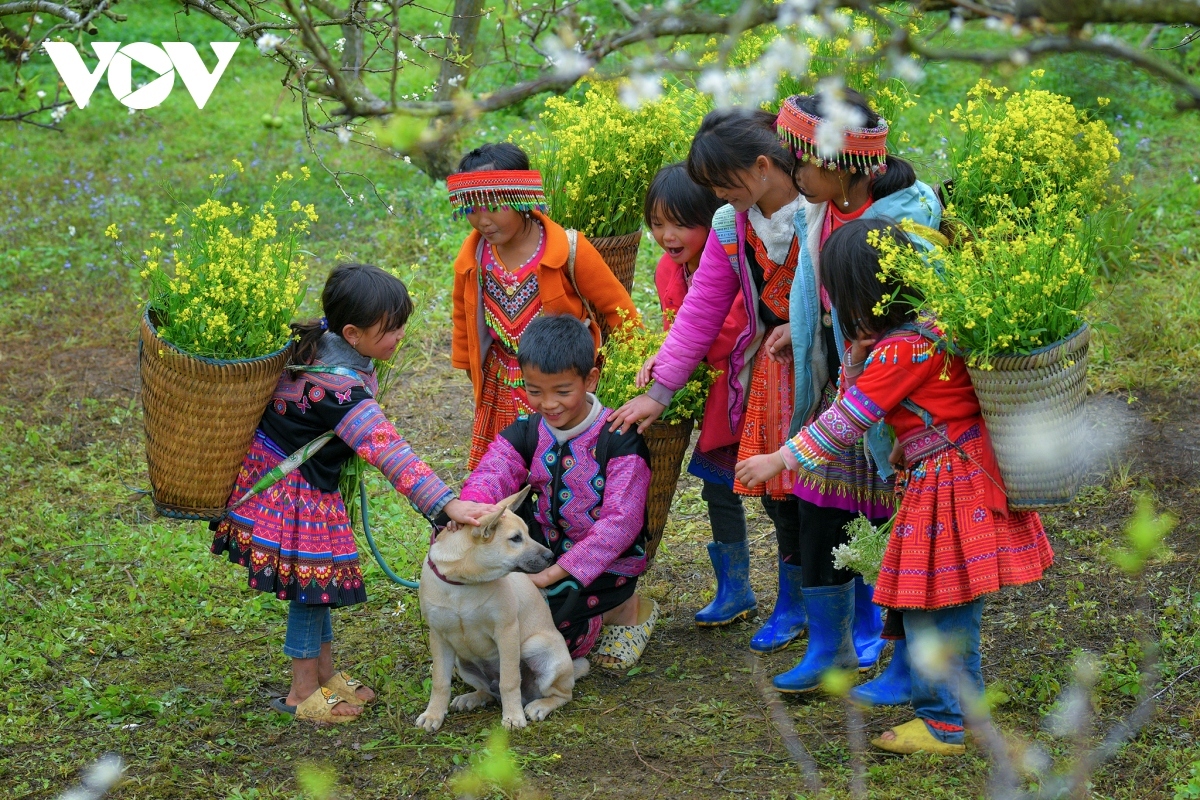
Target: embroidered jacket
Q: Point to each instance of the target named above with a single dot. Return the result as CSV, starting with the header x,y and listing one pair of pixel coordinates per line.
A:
x,y
725,290
307,404
594,523
900,368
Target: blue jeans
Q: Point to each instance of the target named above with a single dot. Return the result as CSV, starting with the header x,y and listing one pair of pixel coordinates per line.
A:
x,y
937,697
308,627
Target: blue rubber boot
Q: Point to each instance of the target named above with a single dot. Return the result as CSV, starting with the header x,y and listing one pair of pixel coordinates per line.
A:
x,y
893,686
787,621
735,599
868,624
830,643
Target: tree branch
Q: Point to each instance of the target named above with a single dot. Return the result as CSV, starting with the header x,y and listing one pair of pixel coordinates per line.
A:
x,y
40,6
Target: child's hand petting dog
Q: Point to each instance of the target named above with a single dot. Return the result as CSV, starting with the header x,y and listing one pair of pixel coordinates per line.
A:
x,y
465,512
549,576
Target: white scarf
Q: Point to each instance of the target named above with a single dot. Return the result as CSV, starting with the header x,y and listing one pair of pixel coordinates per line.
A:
x,y
778,231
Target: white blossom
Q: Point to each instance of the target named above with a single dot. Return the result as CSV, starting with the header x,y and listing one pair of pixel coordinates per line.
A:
x,y
1019,57
861,39
268,42
837,116
567,61
340,44
59,114
407,160
343,135
41,94
956,24
640,89
907,68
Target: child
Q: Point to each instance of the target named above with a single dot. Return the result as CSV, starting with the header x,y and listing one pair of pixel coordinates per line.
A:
x,y
678,213
590,486
294,537
749,260
954,539
515,266
861,181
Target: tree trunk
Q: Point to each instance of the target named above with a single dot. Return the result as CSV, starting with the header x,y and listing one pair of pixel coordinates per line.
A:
x,y
439,157
464,30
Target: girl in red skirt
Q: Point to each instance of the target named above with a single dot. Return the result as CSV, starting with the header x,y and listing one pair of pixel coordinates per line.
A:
x,y
294,538
954,539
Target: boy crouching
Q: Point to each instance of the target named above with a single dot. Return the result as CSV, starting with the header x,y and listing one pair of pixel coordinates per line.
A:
x,y
588,503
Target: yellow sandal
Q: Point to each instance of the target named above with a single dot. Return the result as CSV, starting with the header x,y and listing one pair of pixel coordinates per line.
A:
x,y
317,707
342,684
914,737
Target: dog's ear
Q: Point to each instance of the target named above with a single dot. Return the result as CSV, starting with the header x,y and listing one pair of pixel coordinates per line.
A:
x,y
513,501
487,525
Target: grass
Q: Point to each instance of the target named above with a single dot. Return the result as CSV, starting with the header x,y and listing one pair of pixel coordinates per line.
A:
x,y
122,633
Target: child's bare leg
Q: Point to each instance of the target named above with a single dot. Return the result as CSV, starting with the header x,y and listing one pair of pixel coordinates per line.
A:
x,y
624,614
305,681
325,672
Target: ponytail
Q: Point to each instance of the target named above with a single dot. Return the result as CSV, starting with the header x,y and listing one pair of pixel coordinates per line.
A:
x,y
307,335
899,175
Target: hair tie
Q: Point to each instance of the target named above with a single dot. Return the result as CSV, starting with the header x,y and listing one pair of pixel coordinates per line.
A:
x,y
324,324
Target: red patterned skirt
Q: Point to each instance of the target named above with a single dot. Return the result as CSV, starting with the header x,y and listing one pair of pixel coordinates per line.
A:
x,y
501,401
295,540
947,546
765,426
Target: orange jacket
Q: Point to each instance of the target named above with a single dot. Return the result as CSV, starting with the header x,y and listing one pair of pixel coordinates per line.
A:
x,y
594,278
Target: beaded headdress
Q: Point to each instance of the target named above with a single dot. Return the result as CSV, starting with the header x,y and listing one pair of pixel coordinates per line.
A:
x,y
519,189
863,149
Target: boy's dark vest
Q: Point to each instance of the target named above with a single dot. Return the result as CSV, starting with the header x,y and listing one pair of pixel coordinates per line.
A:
x,y
527,448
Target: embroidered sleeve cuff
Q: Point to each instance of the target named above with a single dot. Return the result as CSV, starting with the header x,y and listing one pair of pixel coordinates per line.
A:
x,y
661,394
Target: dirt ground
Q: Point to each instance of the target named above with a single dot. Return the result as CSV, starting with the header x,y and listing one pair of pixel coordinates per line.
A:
x,y
692,721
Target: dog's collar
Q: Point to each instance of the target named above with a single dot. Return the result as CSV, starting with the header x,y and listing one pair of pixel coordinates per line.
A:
x,y
438,573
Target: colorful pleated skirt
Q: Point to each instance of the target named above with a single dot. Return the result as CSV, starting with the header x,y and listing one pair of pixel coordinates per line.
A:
x,y
765,426
501,401
295,540
948,547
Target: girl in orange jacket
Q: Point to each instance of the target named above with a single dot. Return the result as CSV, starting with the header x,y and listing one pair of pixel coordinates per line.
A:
x,y
513,268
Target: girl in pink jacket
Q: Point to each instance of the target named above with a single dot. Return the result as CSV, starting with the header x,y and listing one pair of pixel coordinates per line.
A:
x,y
749,261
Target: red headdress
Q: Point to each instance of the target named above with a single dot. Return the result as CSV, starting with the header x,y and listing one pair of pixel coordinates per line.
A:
x,y
863,149
519,189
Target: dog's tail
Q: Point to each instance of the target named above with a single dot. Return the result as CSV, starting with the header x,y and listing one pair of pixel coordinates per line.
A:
x,y
580,666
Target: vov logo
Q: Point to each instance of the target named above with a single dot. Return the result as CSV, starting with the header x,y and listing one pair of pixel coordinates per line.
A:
x,y
172,57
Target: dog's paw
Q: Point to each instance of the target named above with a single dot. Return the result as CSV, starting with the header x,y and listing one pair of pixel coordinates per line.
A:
x,y
470,701
514,721
431,721
538,710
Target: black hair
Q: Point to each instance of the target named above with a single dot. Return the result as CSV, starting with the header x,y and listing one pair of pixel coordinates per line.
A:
x,y
555,343
361,295
849,272
899,174
495,155
681,199
729,141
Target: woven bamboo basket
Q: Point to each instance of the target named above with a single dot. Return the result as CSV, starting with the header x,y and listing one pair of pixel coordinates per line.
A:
x,y
200,415
620,253
1033,407
667,444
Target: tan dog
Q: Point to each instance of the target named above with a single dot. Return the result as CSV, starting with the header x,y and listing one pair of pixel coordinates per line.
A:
x,y
488,620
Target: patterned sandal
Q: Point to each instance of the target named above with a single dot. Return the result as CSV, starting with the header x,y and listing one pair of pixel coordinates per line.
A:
x,y
626,643
341,683
914,737
317,707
